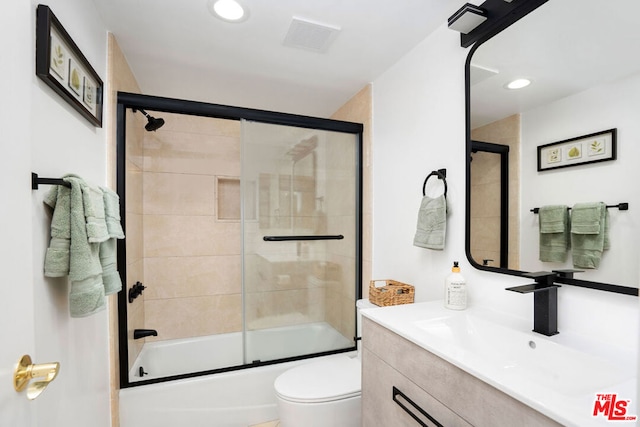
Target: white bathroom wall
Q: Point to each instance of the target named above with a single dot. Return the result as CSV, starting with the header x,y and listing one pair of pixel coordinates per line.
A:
x,y
418,127
53,140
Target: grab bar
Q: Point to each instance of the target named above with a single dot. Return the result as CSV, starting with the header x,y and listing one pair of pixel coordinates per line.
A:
x,y
415,416
290,238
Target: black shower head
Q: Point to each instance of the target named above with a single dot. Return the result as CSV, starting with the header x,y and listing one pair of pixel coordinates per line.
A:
x,y
153,124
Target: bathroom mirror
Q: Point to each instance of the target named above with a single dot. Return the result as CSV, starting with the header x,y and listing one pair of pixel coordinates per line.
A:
x,y
584,79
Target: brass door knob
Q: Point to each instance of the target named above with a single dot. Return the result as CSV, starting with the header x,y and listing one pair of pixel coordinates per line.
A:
x,y
42,375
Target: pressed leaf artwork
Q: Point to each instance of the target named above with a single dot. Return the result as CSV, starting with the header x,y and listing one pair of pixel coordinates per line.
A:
x,y
574,152
554,155
75,79
57,60
596,147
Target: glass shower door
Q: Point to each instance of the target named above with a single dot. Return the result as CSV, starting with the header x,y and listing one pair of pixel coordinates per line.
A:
x,y
300,204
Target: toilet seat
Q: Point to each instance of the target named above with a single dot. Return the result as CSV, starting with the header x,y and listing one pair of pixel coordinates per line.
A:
x,y
331,379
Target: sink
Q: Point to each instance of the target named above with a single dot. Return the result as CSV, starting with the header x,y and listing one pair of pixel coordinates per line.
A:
x,y
560,375
524,356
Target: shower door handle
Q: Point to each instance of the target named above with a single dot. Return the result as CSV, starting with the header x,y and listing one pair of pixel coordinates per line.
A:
x,y
290,238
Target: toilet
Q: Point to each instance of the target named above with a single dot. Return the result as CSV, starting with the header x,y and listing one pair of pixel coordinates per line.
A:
x,y
323,393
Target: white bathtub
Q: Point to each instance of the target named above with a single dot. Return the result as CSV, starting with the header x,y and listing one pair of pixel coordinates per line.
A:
x,y
232,399
182,356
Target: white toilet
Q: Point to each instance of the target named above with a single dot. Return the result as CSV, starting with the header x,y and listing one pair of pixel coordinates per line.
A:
x,y
323,393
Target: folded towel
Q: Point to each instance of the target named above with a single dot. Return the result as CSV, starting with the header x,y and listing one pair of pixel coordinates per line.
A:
x,y
93,200
86,297
554,233
87,291
589,233
110,275
112,213
432,223
56,260
84,228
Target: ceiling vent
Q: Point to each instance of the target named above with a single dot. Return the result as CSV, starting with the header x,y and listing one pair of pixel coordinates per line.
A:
x,y
304,34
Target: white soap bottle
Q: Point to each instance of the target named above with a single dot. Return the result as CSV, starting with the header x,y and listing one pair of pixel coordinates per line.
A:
x,y
455,292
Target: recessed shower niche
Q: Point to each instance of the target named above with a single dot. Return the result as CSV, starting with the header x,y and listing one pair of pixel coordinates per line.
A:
x,y
244,227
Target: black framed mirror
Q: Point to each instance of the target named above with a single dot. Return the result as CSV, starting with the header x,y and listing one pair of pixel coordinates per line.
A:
x,y
583,80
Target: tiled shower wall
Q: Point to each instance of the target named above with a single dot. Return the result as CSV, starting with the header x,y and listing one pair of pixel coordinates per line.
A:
x,y
485,203
192,257
340,302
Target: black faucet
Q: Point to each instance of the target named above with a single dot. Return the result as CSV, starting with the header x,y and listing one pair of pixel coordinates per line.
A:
x,y
545,301
141,333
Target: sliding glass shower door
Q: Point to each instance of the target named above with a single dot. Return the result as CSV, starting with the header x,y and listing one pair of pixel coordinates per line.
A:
x,y
300,203
242,238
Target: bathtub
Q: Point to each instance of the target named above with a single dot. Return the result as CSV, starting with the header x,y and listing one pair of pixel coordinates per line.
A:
x,y
237,398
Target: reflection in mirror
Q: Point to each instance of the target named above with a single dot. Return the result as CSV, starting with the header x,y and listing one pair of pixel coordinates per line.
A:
x,y
287,197
584,80
490,206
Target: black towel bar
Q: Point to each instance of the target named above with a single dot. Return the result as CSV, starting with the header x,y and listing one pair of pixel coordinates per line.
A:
x,y
295,238
441,174
36,181
621,206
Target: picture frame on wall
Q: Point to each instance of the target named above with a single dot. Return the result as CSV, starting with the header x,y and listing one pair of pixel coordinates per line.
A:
x,y
63,67
592,148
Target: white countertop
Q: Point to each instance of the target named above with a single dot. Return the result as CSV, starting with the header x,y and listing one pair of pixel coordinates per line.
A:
x,y
558,376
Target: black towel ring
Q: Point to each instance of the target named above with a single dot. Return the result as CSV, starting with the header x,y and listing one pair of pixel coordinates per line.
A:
x,y
441,174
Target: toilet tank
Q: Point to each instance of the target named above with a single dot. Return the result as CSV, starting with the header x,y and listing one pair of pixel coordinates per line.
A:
x,y
360,305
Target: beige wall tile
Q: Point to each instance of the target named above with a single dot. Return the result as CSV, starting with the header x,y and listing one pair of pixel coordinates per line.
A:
x,y
191,153
173,235
178,194
175,277
200,125
134,237
194,316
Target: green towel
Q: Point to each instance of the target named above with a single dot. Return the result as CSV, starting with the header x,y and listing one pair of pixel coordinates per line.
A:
x,y
112,213
56,260
94,212
589,233
110,275
84,228
432,223
554,233
87,291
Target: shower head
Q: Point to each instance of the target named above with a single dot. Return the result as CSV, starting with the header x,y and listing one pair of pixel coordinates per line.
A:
x,y
153,124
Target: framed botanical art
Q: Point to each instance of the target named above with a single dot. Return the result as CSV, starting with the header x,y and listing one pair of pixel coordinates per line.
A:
x,y
595,147
62,66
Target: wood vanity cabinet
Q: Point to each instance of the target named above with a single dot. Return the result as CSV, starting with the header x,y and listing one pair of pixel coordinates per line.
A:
x,y
397,372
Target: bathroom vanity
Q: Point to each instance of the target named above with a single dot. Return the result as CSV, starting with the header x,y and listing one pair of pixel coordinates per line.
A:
x,y
477,368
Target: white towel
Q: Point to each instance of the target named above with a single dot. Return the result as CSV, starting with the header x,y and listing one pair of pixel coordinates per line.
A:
x,y
432,223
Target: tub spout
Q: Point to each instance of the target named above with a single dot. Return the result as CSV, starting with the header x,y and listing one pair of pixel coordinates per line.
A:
x,y
141,333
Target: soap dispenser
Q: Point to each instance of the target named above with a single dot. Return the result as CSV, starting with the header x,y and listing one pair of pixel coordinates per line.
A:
x,y
455,292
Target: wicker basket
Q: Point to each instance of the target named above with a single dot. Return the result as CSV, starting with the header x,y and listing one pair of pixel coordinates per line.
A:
x,y
392,293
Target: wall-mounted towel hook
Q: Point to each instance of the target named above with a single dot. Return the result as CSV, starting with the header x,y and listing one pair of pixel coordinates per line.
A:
x,y
441,174
36,181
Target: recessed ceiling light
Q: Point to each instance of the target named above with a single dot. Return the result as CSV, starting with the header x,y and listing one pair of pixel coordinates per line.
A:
x,y
228,10
518,84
